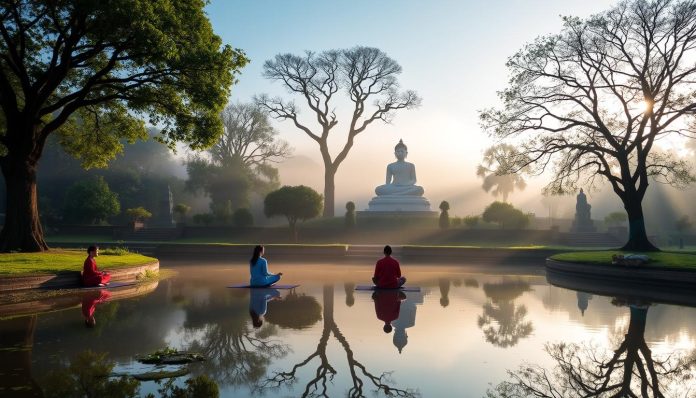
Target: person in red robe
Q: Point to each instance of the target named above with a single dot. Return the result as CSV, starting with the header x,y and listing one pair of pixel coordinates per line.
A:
x,y
89,305
91,276
388,272
387,306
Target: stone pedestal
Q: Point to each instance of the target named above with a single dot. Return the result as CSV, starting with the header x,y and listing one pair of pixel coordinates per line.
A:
x,y
399,203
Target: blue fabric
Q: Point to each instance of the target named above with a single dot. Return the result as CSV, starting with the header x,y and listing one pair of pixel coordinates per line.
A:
x,y
260,275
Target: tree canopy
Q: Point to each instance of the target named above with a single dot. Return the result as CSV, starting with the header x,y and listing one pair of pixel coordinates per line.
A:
x,y
94,72
295,203
90,201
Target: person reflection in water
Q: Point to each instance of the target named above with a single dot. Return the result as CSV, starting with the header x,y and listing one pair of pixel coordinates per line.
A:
x,y
258,304
387,306
388,272
89,305
91,276
258,268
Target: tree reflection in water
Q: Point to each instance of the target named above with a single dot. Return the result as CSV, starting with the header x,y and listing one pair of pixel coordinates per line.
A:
x,y
324,373
220,330
502,322
589,371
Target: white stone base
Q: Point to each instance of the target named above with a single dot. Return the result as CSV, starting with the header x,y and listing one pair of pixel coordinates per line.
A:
x,y
398,203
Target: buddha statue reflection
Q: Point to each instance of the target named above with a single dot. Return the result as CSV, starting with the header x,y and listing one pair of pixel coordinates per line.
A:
x,y
401,176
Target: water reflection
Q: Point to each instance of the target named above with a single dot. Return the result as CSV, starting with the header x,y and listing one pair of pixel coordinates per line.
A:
x,y
388,306
503,322
219,329
89,305
444,291
16,344
588,370
324,371
258,304
406,319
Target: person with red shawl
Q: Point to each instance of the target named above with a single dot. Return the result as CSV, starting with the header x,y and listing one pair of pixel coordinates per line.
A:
x,y
91,276
388,272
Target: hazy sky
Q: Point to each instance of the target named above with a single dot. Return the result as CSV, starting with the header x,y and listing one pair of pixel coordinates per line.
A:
x,y
453,54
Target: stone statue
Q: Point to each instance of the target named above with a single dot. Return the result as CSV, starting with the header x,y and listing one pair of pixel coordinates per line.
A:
x,y
583,219
401,175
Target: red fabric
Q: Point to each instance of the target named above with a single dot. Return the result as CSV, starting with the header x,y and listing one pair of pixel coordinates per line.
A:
x,y
91,276
387,273
388,304
90,301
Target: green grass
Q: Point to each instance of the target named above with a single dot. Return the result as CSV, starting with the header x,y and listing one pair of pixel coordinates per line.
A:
x,y
57,260
666,259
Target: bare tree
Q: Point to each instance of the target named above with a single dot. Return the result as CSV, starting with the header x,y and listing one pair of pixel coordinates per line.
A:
x,y
493,164
248,139
594,99
365,73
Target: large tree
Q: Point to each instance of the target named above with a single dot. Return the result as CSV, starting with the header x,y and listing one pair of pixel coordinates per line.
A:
x,y
365,74
240,161
594,99
92,71
494,162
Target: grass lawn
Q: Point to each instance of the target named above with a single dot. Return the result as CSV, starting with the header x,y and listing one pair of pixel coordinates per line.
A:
x,y
56,260
667,259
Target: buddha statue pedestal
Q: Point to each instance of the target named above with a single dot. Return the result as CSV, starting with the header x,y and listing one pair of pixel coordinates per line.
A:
x,y
399,203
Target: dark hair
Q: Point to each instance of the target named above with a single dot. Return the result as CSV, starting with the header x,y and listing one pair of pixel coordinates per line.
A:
x,y
257,253
92,248
256,319
387,328
387,250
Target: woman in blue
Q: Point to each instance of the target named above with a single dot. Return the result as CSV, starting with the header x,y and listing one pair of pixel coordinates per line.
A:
x,y
258,267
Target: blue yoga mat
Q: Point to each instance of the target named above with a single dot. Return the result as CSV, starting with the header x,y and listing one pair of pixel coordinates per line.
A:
x,y
247,286
402,288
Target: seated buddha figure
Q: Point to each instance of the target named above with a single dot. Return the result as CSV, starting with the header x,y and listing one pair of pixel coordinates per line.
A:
x,y
401,176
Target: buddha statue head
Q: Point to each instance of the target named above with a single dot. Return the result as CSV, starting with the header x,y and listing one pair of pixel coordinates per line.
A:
x,y
400,150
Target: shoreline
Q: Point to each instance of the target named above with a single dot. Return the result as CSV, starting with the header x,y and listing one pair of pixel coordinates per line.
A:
x,y
71,279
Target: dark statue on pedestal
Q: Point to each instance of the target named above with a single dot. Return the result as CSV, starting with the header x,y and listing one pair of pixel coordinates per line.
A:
x,y
583,221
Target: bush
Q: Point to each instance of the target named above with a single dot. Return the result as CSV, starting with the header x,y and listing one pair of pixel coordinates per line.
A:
x,y
444,215
505,215
205,219
616,218
90,201
471,221
115,251
456,221
182,209
242,218
138,214
350,215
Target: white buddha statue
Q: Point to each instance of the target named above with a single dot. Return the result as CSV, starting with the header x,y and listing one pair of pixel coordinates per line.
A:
x,y
401,175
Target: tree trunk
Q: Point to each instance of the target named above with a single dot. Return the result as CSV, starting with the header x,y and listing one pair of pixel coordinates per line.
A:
x,y
637,237
22,230
329,189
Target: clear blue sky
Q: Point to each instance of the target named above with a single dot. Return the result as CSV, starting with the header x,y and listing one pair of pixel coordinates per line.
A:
x,y
453,54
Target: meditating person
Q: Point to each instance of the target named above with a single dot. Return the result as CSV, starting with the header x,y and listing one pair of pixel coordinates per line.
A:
x,y
387,306
388,272
91,276
258,304
89,305
258,268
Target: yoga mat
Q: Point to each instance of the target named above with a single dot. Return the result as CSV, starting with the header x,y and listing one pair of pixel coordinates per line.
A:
x,y
402,288
246,285
111,285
